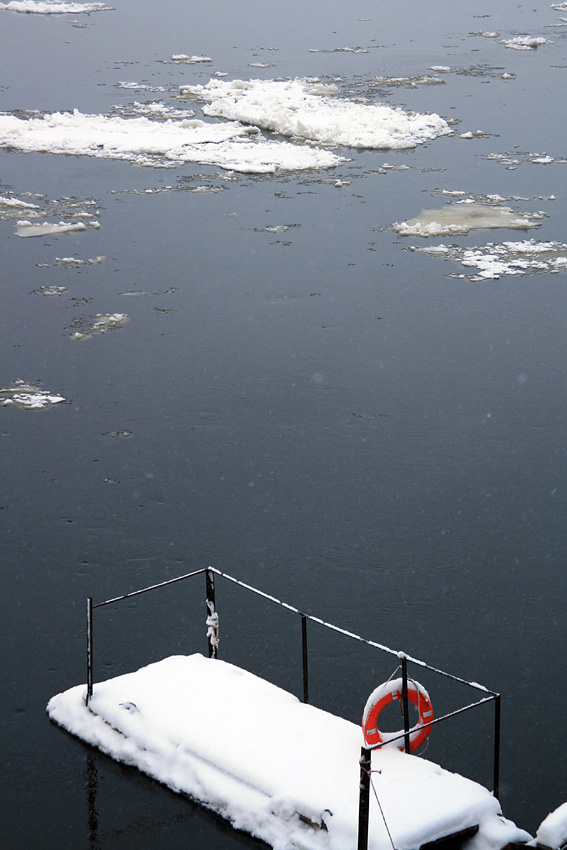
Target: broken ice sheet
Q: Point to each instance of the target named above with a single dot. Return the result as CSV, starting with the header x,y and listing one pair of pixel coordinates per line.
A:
x,y
25,228
36,206
50,290
493,260
463,216
28,396
87,327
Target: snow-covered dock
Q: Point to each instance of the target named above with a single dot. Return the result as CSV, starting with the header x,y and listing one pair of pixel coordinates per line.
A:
x,y
279,769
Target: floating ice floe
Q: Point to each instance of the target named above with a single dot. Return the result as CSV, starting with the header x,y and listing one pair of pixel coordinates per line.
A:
x,y
51,290
410,82
190,60
46,228
53,7
28,396
123,84
308,109
478,134
512,160
463,216
102,323
13,208
525,42
493,260
153,109
75,262
162,144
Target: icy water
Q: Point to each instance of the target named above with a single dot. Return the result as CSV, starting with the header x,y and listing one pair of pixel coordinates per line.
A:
x,y
259,373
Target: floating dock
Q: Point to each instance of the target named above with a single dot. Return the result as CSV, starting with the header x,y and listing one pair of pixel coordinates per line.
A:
x,y
279,769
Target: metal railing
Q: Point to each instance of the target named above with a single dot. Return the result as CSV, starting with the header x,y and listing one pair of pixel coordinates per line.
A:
x,y
212,622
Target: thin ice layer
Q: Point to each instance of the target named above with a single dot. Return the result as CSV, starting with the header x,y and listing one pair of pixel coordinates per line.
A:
x,y
283,771
308,109
462,217
159,143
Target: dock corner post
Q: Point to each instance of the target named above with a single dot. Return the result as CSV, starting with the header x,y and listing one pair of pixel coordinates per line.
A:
x,y
364,798
305,658
212,616
405,703
496,781
89,649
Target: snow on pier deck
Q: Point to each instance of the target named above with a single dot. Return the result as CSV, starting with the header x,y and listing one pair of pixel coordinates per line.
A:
x,y
281,770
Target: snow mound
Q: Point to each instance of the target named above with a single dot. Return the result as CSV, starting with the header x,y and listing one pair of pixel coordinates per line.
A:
x,y
308,109
552,832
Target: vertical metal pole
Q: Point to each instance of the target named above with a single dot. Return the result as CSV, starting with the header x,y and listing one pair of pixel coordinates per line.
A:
x,y
364,798
305,658
89,648
405,703
496,785
212,616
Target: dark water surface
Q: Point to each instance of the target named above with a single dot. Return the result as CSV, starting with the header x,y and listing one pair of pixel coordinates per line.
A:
x,y
321,412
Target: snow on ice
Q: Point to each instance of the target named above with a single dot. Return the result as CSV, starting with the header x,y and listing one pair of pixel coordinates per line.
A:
x,y
281,770
143,141
308,109
28,396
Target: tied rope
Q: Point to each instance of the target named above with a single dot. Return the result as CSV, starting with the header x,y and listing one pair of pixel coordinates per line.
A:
x,y
370,772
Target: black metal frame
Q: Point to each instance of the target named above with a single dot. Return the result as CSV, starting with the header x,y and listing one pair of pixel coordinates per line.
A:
x,y
366,751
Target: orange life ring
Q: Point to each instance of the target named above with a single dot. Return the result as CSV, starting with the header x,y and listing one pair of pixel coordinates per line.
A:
x,y
382,696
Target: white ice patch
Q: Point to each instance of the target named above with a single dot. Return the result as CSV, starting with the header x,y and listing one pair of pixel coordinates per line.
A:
x,y
102,323
51,290
190,60
162,144
493,260
462,217
307,109
28,396
53,7
29,228
526,42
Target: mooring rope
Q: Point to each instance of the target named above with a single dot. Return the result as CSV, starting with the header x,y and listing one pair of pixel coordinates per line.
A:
x,y
370,772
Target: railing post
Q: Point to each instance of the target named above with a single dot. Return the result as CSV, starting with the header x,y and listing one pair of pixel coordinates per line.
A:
x,y
212,616
405,703
496,782
305,658
89,649
364,798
